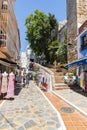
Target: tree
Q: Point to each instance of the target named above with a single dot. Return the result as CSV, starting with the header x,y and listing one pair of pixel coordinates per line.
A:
x,y
58,51
38,31
62,51
39,27
53,47
53,26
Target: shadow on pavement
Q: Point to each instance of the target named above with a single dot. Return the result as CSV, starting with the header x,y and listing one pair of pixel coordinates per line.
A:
x,y
18,88
78,89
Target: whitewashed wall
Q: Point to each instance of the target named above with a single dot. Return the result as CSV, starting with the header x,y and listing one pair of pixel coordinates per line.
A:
x,y
49,75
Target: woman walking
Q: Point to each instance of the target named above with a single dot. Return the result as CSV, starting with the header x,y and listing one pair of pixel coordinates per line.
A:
x,y
27,81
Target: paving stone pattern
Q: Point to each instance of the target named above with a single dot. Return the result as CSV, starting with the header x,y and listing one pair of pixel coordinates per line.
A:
x,y
77,98
28,111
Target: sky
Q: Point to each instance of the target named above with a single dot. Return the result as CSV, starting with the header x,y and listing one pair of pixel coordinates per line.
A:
x,y
24,8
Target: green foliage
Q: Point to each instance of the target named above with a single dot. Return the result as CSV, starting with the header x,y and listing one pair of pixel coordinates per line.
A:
x,y
53,26
38,30
39,27
58,51
62,51
42,35
53,47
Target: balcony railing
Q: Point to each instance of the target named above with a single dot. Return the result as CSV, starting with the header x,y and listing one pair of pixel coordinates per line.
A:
x,y
2,40
4,5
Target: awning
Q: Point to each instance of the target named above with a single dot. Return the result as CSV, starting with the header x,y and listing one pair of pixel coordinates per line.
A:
x,y
4,63
5,51
2,55
76,63
5,58
8,63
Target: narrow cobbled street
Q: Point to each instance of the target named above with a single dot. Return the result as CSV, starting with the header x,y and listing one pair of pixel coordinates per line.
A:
x,y
29,110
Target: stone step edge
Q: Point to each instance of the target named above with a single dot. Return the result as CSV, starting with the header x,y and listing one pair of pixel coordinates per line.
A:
x,y
56,75
61,88
60,84
56,87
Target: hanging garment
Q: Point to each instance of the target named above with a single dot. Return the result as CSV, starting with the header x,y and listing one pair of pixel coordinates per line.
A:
x,y
0,82
45,82
4,82
10,91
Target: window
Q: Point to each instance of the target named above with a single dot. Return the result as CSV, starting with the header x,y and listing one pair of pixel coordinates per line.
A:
x,y
2,39
84,42
85,67
5,4
80,70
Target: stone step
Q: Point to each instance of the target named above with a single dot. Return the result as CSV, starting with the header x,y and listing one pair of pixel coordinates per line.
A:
x,y
59,86
58,74
59,79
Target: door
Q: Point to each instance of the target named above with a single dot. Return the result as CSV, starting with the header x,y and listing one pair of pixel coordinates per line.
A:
x,y
85,80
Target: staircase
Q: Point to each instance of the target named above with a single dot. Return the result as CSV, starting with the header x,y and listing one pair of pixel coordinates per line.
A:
x,y
59,82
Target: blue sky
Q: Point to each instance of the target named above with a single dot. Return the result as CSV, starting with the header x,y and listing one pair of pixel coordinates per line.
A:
x,y
23,8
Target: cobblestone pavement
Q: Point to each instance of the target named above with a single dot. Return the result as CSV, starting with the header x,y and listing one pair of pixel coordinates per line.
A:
x,y
75,97
28,111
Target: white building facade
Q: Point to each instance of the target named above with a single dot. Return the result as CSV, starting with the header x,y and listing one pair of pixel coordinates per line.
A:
x,y
23,60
